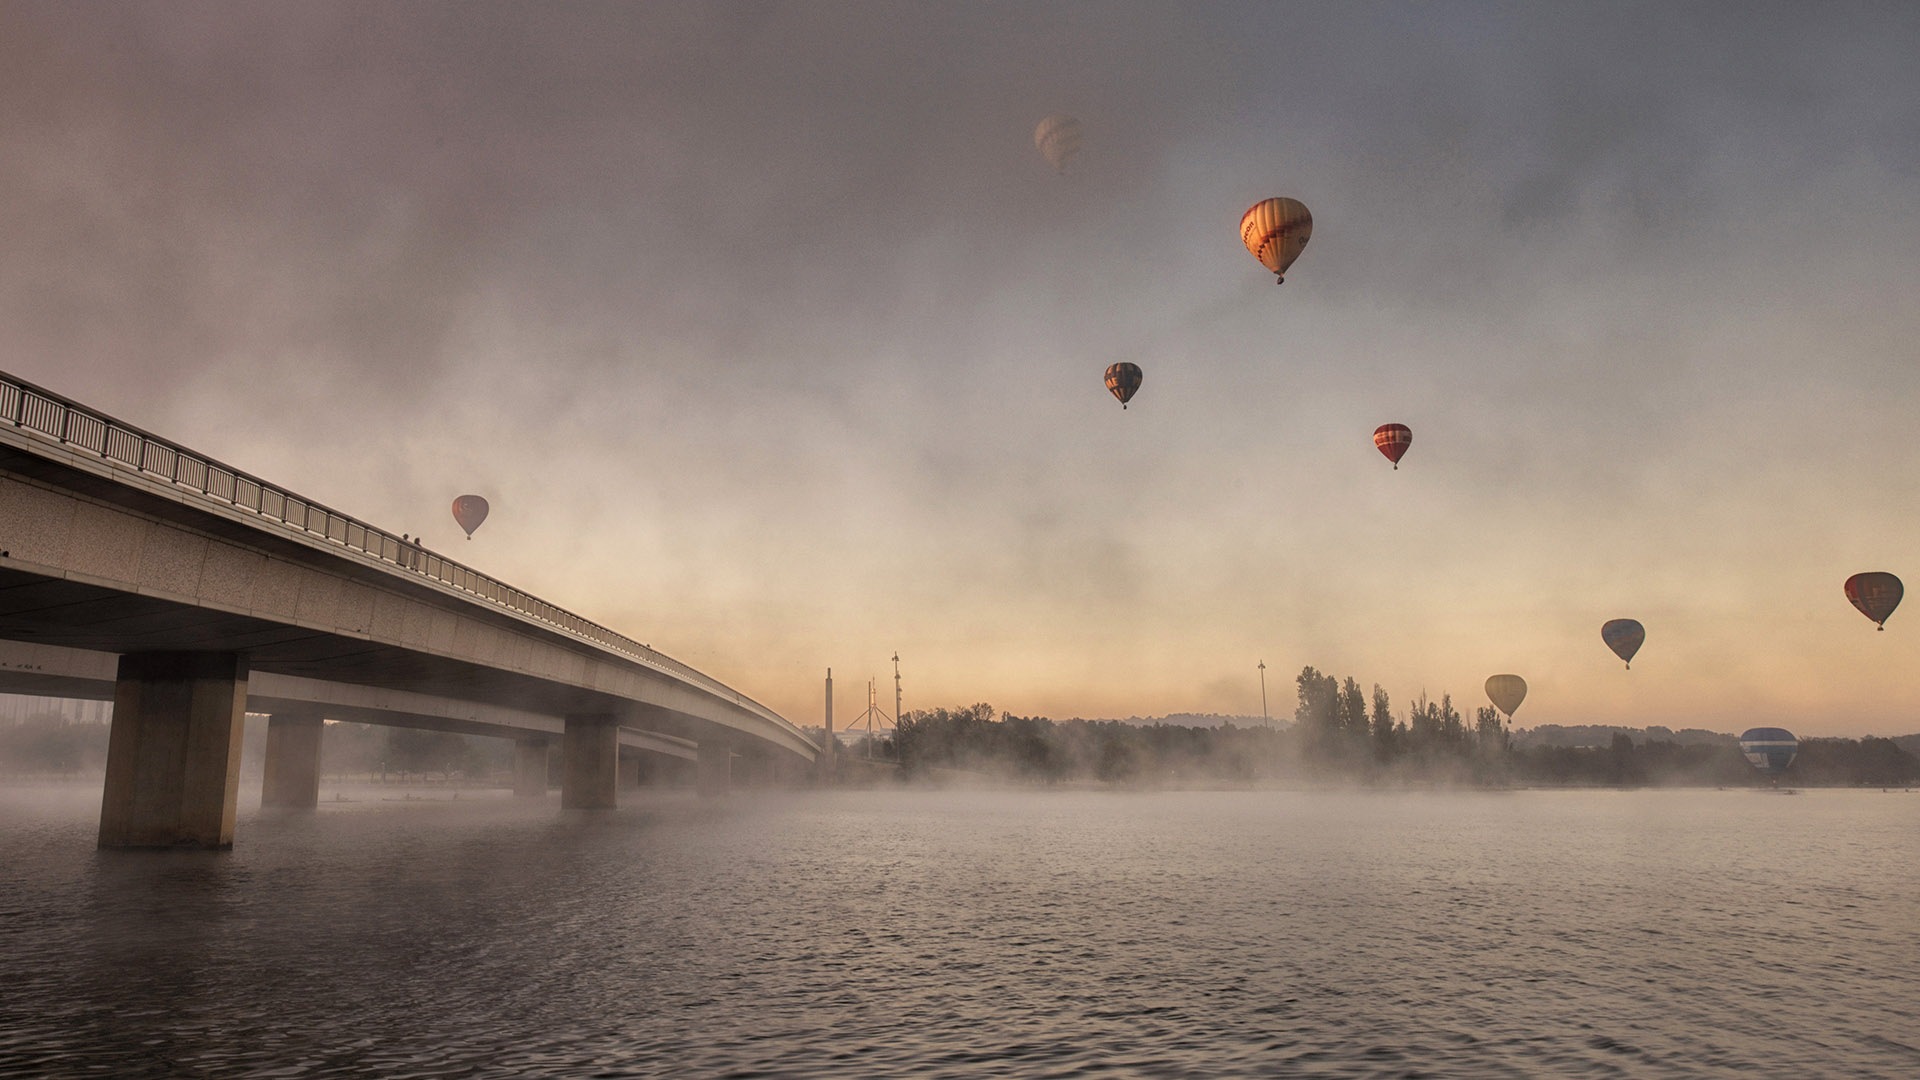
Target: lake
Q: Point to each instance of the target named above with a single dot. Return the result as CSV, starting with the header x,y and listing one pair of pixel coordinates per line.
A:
x,y
944,933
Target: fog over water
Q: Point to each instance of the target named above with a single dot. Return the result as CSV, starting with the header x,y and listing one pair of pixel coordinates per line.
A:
x,y
1672,933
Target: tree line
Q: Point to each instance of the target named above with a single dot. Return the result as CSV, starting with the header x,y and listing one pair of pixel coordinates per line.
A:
x,y
1343,732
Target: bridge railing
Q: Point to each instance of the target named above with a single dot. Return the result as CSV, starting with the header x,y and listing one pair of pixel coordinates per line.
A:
x,y
49,415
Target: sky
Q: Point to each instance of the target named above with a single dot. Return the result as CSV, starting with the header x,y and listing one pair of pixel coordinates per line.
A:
x,y
775,343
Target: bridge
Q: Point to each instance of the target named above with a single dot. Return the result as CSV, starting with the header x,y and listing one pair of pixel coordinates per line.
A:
x,y
189,590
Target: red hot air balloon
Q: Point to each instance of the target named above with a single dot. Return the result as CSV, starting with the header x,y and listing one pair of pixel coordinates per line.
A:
x,y
1393,440
1876,594
470,511
1123,379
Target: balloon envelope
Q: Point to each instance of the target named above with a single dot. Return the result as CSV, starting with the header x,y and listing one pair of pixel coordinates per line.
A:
x,y
1393,440
1770,749
1624,637
1058,138
1876,594
1123,379
470,511
1506,692
1276,231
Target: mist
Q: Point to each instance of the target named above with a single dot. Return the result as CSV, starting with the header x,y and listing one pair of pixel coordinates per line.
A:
x,y
776,344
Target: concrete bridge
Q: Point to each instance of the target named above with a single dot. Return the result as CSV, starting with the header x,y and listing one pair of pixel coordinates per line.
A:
x,y
210,588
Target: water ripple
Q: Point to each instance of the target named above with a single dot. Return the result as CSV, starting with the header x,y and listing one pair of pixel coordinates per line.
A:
x,y
1227,934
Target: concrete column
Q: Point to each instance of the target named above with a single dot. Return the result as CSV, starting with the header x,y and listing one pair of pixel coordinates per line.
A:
x,y
716,767
590,773
530,768
293,761
630,767
173,754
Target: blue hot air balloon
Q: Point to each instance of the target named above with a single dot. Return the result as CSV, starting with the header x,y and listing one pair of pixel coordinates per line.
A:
x,y
1771,749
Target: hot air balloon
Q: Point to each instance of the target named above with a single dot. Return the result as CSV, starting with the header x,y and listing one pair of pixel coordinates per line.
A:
x,y
1276,231
1506,692
1123,379
1770,749
470,511
1876,594
1058,138
1393,440
1624,637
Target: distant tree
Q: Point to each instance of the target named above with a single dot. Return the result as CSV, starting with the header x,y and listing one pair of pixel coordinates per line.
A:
x,y
1870,761
42,743
1118,762
1423,725
416,750
1487,733
1317,711
1353,715
1383,742
1623,769
1453,730
351,748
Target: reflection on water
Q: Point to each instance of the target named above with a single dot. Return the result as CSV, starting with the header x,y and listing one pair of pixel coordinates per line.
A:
x,y
945,934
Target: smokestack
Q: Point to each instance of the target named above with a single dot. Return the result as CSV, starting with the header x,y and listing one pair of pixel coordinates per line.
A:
x,y
826,752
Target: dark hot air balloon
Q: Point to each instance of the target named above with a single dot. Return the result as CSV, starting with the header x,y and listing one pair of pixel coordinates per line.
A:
x,y
1276,231
1624,637
1058,138
1393,440
470,511
1876,594
1506,692
1770,749
1123,379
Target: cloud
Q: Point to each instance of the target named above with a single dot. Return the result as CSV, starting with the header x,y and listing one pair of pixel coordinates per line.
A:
x,y
774,307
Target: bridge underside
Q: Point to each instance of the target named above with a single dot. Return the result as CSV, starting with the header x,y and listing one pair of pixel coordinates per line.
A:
x,y
293,667
75,615
211,587
173,759
82,675
171,778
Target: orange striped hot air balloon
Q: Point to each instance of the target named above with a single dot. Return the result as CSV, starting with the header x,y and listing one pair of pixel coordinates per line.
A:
x,y
1123,379
1058,139
1276,231
1393,440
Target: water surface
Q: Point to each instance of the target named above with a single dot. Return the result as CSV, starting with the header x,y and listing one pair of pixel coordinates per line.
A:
x,y
978,934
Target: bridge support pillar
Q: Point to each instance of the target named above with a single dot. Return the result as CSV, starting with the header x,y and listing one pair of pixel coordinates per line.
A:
x,y
632,768
716,768
590,772
292,777
173,753
530,768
